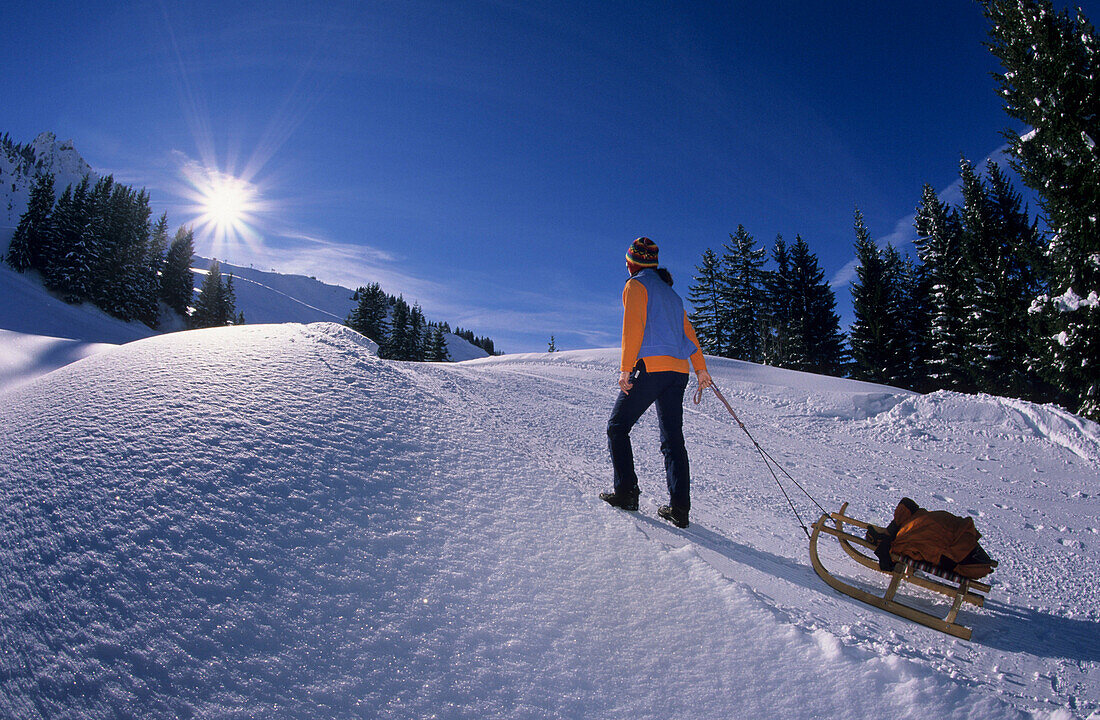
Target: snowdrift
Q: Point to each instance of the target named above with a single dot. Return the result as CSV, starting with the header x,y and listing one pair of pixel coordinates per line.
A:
x,y
270,521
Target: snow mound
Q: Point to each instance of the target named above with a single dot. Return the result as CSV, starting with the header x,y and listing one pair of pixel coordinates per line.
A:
x,y
992,414
271,521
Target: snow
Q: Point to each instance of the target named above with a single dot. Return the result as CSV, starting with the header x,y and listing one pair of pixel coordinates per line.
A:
x,y
1070,301
40,333
16,178
270,521
24,357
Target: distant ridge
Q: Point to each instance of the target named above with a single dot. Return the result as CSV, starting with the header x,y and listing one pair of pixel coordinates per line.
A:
x,y
19,164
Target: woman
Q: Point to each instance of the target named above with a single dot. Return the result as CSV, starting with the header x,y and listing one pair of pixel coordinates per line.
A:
x,y
658,343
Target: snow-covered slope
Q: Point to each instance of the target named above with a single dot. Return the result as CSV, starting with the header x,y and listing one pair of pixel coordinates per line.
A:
x,y
40,333
272,297
43,333
269,521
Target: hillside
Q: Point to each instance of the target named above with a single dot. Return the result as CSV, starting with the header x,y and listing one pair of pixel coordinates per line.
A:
x,y
269,521
272,297
39,333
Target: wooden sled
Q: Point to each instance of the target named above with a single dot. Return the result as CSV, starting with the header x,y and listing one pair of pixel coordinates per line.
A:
x,y
959,589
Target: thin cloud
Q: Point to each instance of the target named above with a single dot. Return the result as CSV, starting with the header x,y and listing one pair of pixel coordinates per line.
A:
x,y
904,234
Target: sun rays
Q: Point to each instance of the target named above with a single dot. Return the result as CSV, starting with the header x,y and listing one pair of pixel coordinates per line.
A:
x,y
226,210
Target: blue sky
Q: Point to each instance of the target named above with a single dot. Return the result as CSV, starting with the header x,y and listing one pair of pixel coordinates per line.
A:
x,y
492,160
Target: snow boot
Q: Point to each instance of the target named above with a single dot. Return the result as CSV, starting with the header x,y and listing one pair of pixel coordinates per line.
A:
x,y
676,516
624,502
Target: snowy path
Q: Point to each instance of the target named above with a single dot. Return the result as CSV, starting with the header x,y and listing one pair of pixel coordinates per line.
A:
x,y
268,521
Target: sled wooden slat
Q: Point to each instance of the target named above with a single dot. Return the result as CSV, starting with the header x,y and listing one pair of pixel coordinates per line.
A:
x,y
959,593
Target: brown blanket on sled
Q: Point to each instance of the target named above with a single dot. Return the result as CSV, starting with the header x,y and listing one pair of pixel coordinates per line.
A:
x,y
936,537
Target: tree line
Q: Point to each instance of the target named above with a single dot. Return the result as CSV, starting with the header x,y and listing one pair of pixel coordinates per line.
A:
x,y
992,303
783,316
996,304
959,317
401,331
96,244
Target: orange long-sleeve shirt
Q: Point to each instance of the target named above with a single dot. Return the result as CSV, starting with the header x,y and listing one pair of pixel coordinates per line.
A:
x,y
635,299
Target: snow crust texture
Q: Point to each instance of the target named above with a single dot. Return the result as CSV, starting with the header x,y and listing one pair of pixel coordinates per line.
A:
x,y
269,521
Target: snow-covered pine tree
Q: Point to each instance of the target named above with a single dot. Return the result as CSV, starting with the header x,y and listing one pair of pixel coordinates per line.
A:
x,y
104,227
741,264
978,247
1012,269
139,291
177,286
128,239
874,322
70,267
1052,62
710,316
153,268
210,304
33,233
777,307
907,319
817,344
939,246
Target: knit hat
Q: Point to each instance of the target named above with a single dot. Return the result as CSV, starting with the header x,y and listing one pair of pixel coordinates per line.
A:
x,y
643,253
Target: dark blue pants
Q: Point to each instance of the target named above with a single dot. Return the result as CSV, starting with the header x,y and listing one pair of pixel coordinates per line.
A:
x,y
666,389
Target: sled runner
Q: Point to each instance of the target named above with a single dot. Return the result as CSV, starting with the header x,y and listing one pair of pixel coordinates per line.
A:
x,y
922,574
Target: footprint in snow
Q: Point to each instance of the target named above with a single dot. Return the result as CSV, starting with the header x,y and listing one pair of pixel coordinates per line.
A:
x,y
943,498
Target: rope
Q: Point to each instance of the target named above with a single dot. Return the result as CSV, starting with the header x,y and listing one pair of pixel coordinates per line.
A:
x,y
769,461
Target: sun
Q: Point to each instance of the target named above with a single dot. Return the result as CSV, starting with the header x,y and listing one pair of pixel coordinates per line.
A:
x,y
227,208
226,203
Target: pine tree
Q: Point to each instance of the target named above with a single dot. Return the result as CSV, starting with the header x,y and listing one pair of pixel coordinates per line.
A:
x,y
210,306
33,232
229,304
437,346
552,347
369,315
74,251
710,317
1051,64
1016,279
874,322
138,293
817,345
939,246
777,307
396,345
976,245
742,289
914,328
416,347
177,287
152,271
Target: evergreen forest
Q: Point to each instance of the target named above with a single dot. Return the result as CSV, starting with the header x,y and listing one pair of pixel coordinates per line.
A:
x,y
996,300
